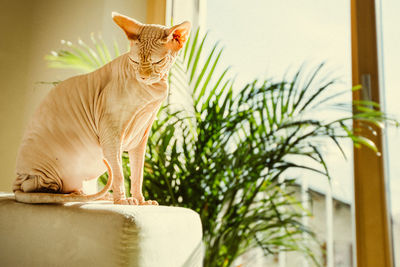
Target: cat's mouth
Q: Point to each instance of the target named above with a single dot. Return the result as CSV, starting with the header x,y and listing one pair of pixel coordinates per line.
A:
x,y
148,80
147,77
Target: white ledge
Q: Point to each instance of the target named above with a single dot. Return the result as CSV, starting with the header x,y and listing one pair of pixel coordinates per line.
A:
x,y
98,234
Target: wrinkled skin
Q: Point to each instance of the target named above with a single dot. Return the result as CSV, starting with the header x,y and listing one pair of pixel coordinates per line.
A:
x,y
85,123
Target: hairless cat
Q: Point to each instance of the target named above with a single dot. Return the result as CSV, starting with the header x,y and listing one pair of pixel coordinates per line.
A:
x,y
85,123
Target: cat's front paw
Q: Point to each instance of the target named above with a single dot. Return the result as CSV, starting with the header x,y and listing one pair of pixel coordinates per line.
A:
x,y
141,200
126,201
149,202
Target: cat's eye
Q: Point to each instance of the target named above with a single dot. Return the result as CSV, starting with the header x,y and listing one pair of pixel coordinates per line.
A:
x,y
133,61
158,62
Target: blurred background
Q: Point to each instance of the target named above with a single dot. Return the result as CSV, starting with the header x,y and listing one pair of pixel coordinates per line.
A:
x,y
261,39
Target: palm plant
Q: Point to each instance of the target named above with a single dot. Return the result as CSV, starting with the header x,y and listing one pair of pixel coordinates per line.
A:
x,y
228,153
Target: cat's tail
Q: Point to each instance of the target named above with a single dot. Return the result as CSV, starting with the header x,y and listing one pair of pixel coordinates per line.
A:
x,y
23,197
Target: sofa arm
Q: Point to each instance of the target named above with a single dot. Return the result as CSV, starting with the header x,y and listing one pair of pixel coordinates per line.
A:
x,y
98,234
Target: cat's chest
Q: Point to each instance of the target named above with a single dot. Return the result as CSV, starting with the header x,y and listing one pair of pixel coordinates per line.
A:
x,y
126,101
139,124
137,96
141,107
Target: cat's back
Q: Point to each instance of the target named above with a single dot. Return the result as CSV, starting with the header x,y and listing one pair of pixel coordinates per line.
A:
x,y
62,127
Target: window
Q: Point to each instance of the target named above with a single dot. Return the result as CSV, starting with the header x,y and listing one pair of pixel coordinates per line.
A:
x,y
391,83
266,39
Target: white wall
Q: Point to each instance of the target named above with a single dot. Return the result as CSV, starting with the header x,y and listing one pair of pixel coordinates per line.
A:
x,y
14,51
28,31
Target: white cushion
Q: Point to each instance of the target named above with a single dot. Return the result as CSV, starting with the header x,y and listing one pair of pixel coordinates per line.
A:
x,y
98,234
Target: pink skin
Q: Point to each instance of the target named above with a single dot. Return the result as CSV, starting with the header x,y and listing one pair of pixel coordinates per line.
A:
x,y
90,119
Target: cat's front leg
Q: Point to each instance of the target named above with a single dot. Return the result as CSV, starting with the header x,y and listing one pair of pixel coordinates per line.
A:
x,y
112,151
136,158
113,157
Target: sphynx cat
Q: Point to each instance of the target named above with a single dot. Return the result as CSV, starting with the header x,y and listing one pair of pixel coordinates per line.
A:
x,y
85,123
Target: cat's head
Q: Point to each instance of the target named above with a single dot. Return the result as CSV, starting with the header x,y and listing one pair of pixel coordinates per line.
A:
x,y
153,47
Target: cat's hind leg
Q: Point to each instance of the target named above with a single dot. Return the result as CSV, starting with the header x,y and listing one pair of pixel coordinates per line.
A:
x,y
36,183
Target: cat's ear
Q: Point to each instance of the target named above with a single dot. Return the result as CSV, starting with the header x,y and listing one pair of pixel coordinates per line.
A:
x,y
130,26
178,35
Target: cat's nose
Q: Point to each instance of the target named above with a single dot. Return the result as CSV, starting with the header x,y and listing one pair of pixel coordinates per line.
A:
x,y
144,74
144,77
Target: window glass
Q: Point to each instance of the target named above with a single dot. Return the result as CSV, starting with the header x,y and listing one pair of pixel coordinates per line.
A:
x,y
266,39
390,22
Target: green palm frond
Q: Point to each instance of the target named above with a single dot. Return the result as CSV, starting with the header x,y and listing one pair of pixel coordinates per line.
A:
x,y
81,56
